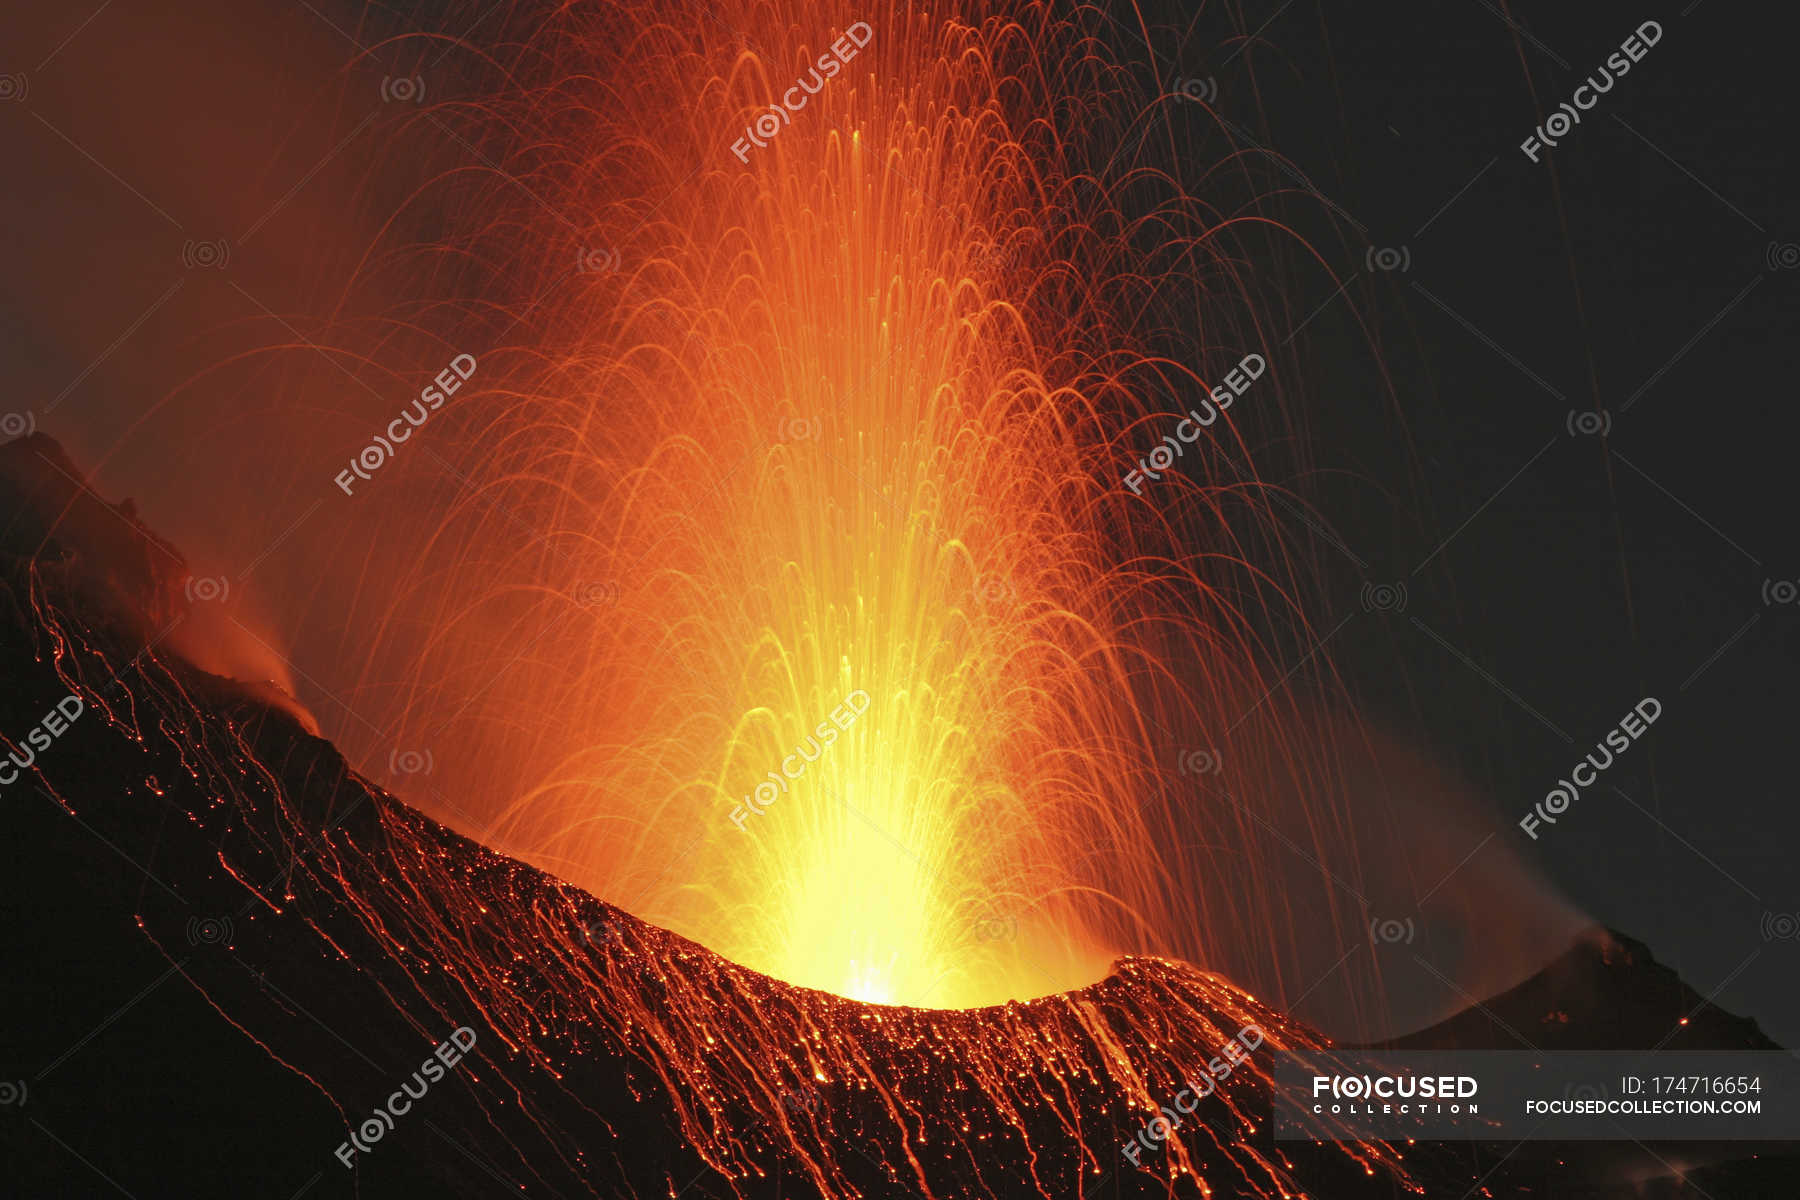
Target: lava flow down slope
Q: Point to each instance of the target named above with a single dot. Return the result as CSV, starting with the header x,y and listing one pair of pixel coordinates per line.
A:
x,y
347,935
607,1054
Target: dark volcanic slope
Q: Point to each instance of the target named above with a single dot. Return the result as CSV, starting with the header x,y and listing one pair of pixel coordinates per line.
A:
x,y
226,949
1606,992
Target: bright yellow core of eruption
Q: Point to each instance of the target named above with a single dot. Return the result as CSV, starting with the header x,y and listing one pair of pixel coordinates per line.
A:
x,y
927,730
882,597
858,710
858,698
880,848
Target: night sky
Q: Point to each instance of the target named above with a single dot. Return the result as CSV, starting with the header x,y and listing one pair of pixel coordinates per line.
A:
x,y
1644,270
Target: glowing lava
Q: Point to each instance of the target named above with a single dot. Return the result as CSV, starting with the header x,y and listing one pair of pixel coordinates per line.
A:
x,y
841,417
604,1045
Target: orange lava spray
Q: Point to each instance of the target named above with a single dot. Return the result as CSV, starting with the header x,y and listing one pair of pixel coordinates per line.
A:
x,y
790,593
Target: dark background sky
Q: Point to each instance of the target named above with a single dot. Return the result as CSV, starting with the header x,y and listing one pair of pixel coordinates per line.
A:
x,y
1645,269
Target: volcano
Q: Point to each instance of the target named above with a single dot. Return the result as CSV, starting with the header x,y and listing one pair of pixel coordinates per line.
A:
x,y
230,954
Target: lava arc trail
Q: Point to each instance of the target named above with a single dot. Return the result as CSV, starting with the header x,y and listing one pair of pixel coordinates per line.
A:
x,y
791,596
